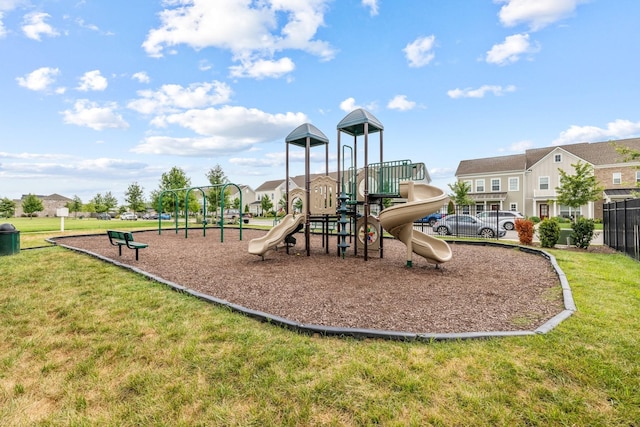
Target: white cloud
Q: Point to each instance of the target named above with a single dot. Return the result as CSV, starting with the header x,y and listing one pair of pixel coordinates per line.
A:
x,y
400,102
40,79
3,30
172,97
191,147
618,129
237,124
91,115
141,76
537,13
34,26
7,6
92,80
276,159
511,49
518,147
263,68
251,31
349,105
420,51
372,5
480,92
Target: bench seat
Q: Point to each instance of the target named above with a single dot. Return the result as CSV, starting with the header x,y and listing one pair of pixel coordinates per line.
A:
x,y
124,238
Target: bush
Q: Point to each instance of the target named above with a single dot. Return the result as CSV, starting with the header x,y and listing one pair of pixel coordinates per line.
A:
x,y
524,227
549,233
534,219
582,232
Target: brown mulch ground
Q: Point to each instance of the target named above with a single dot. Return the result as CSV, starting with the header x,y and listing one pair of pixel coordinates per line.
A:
x,y
481,289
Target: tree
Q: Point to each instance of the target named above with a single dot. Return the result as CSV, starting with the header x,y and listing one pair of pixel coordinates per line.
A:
x,y
266,204
7,207
460,195
134,197
175,179
75,205
97,204
110,202
236,203
580,188
32,204
216,177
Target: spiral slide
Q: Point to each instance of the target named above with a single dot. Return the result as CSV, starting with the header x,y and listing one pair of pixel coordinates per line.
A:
x,y
277,234
422,199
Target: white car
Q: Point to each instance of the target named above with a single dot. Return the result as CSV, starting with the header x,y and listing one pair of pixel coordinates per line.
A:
x,y
129,216
506,219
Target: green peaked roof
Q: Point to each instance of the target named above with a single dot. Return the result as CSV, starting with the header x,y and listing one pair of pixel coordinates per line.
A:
x,y
353,123
299,135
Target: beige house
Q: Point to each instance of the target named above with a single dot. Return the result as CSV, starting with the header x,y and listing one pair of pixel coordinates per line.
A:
x,y
527,182
50,203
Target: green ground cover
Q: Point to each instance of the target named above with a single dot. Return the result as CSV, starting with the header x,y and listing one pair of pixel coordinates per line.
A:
x,y
86,343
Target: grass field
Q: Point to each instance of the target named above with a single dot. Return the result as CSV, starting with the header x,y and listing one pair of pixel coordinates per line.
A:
x,y
86,343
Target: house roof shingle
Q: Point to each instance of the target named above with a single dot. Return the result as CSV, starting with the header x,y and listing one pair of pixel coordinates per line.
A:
x,y
596,153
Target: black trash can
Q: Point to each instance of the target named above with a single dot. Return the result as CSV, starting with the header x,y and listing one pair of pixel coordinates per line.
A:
x,y
9,239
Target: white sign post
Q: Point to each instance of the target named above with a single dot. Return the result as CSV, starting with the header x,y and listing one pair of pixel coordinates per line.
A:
x,y
62,213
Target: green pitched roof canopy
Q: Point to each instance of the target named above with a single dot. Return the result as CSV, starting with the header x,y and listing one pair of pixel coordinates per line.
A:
x,y
353,123
299,135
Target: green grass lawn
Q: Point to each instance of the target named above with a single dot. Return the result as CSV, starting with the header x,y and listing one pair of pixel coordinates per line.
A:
x,y
86,343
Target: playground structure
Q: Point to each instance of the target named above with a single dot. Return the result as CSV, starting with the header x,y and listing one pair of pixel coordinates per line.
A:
x,y
187,192
347,200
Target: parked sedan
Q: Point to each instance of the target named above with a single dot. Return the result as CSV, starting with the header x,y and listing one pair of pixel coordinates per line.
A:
x,y
467,225
430,219
104,216
506,219
129,216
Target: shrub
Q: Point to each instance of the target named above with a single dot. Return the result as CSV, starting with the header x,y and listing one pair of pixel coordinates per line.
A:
x,y
549,233
535,219
524,227
582,232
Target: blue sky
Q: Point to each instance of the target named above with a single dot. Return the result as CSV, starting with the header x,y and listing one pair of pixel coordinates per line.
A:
x,y
96,95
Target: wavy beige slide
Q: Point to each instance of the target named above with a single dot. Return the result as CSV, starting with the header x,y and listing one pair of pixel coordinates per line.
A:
x,y
422,199
276,235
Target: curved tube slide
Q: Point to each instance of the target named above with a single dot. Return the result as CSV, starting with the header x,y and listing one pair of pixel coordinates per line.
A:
x,y
276,235
422,199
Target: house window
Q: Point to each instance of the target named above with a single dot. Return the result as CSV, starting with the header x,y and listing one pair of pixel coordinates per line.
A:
x,y
495,184
543,183
637,177
617,178
514,183
557,158
479,208
479,185
513,207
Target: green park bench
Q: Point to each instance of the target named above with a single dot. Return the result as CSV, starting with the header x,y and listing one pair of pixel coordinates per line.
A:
x,y
124,238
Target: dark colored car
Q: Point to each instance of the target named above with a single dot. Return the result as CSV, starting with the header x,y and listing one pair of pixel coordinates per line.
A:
x,y
103,216
467,225
430,219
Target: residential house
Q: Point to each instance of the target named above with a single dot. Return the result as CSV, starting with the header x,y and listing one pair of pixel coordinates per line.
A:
x,y
248,195
50,203
527,182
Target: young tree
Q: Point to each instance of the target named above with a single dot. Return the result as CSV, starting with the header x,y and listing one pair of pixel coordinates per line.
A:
x,y
460,195
110,202
97,204
236,203
266,204
7,207
216,176
134,197
31,204
75,205
175,179
580,188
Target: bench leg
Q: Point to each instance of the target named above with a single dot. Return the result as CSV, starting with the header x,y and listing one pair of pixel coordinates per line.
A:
x,y
136,254
120,250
